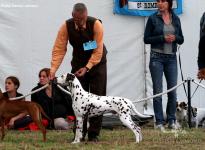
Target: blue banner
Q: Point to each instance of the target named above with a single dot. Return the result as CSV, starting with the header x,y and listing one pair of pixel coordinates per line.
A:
x,y
141,7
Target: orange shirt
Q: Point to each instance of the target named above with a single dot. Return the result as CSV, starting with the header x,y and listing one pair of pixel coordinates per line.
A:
x,y
60,47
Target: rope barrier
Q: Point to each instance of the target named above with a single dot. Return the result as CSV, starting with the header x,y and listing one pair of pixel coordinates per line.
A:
x,y
60,87
151,97
196,89
37,90
201,85
173,88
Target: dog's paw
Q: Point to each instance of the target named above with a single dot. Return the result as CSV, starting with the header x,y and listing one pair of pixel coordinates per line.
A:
x,y
75,142
137,141
140,137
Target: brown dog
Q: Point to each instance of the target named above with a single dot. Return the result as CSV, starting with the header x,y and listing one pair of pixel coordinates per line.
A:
x,y
9,109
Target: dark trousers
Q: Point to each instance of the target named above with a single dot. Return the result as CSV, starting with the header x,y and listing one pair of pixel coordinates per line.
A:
x,y
22,122
94,81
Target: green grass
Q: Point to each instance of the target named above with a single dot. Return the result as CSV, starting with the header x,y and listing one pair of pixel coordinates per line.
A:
x,y
118,139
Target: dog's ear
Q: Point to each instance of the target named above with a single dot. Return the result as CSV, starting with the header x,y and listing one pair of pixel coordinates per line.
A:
x,y
183,104
70,77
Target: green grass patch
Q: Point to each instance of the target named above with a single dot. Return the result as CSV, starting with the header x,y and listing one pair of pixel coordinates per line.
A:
x,y
117,139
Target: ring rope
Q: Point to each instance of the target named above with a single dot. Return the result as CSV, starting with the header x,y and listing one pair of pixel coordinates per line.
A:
x,y
173,88
201,85
151,97
37,90
60,87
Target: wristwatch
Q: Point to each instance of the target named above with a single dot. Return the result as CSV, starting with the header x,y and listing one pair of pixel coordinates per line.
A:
x,y
87,69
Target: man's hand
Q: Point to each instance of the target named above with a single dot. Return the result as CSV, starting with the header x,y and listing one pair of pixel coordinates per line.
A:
x,y
52,75
81,72
201,74
170,38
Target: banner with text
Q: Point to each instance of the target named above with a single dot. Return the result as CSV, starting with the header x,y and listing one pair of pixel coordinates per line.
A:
x,y
142,7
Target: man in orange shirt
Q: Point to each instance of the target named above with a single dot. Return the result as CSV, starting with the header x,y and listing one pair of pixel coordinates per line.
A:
x,y
85,35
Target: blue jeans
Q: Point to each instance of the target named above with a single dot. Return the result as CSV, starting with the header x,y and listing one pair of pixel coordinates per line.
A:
x,y
167,64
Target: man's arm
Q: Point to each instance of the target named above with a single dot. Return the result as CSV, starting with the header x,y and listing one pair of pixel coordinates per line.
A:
x,y
59,50
98,52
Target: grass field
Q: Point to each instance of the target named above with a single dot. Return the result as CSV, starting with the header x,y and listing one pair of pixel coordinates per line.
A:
x,y
117,139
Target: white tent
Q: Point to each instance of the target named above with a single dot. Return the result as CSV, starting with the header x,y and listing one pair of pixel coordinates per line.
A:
x,y
28,30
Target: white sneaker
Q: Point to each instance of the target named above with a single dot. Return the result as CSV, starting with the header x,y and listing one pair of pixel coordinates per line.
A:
x,y
160,127
172,126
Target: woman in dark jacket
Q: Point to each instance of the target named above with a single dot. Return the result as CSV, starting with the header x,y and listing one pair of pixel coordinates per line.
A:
x,y
163,32
11,86
57,107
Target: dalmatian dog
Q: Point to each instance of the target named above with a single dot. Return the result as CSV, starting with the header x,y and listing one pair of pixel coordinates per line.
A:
x,y
88,105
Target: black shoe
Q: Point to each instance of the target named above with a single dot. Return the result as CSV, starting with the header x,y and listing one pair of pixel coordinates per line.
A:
x,y
83,139
93,139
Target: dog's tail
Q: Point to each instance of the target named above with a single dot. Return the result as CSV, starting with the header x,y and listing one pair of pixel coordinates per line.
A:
x,y
137,112
43,112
